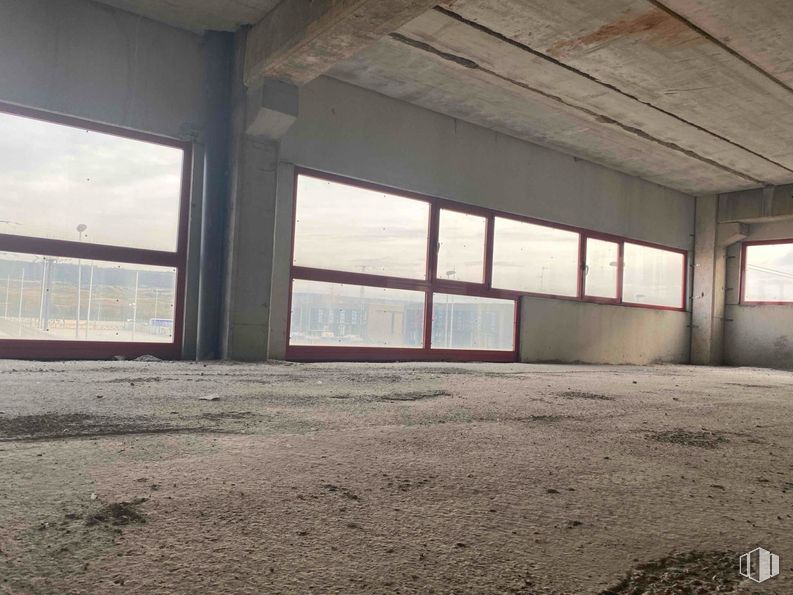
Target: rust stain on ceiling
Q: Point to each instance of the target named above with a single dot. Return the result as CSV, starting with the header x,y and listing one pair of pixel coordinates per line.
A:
x,y
653,27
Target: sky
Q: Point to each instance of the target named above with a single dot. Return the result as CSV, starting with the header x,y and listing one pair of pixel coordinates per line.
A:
x,y
54,177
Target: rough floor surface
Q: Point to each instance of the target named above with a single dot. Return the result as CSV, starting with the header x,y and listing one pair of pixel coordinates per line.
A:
x,y
155,477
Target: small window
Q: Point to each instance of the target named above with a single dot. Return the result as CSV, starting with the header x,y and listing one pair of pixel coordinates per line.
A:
x,y
461,247
653,277
466,322
340,227
535,258
394,317
602,269
768,276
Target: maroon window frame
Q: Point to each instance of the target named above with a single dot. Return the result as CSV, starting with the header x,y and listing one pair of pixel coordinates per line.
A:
x,y
431,284
62,349
742,300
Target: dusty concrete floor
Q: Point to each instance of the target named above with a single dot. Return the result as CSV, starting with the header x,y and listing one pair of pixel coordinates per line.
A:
x,y
421,478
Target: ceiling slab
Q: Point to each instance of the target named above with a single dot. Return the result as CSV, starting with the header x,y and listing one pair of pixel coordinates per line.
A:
x,y
411,74
758,30
650,54
445,34
199,15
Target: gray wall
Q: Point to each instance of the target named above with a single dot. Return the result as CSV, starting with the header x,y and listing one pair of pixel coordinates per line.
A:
x,y
357,133
84,59
79,58
757,335
567,331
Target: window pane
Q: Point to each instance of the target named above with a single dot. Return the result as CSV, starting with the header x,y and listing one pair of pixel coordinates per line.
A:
x,y
653,276
39,299
769,273
345,228
461,247
535,258
54,178
353,315
465,322
602,266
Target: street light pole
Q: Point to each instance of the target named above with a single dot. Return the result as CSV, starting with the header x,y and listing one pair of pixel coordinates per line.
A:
x,y
8,290
80,229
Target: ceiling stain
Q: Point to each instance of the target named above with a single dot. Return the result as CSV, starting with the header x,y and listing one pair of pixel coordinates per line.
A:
x,y
653,27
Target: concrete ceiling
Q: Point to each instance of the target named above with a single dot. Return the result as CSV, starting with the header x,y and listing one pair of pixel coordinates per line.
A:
x,y
696,95
199,15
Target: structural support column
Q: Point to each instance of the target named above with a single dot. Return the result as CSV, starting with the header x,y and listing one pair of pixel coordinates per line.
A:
x,y
261,116
710,284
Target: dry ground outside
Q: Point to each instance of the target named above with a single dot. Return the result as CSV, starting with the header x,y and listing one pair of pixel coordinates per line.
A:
x,y
117,477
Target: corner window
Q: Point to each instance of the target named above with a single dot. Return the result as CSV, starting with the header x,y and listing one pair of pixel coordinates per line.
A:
x,y
768,273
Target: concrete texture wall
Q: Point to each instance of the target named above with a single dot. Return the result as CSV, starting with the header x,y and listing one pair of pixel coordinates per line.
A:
x,y
85,59
762,335
350,131
570,332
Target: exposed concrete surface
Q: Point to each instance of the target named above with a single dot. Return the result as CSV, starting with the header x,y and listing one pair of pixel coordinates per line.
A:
x,y
199,15
375,479
83,59
626,83
554,330
301,39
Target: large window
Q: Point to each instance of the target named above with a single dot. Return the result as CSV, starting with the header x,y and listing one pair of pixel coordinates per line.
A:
x,y
92,238
384,274
768,272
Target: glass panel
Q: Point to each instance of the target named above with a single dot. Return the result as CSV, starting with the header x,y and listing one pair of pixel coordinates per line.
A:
x,y
345,228
461,246
653,276
56,180
465,322
602,267
353,315
39,299
535,258
769,273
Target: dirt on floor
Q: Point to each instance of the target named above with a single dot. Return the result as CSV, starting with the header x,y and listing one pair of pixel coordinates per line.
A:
x,y
157,477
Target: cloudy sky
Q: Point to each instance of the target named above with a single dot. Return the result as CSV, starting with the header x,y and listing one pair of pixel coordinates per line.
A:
x,y
53,178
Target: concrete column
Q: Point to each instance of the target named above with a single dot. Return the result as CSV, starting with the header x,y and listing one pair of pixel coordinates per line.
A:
x,y
710,292
260,117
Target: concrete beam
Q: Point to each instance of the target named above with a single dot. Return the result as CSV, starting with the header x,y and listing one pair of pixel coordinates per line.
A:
x,y
272,109
301,39
731,233
772,203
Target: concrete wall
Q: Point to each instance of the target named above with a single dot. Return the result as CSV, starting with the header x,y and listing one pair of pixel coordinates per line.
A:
x,y
757,335
79,58
84,59
357,133
566,331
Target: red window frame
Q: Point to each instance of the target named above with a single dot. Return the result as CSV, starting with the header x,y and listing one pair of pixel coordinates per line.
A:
x,y
62,349
431,284
742,300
